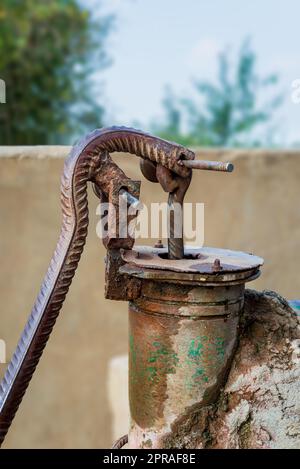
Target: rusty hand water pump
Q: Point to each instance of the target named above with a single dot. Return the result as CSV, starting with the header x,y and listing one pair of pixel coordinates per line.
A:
x,y
184,303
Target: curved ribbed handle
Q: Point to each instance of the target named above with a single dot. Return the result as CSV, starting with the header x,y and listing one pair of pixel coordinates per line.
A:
x,y
83,164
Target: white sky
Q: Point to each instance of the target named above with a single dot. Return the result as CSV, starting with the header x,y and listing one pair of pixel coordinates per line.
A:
x,y
160,42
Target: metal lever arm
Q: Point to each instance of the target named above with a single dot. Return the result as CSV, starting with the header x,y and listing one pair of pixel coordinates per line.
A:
x,y
85,163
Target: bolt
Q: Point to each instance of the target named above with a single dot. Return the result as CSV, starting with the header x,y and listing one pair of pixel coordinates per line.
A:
x,y
159,244
217,265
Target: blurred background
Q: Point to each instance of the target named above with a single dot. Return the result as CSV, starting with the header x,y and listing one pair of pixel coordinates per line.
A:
x,y
220,77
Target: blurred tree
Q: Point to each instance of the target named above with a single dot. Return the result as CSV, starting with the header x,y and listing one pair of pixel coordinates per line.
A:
x,y
171,128
48,52
229,112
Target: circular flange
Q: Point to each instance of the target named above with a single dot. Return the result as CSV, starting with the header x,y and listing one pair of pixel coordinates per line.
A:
x,y
196,260
208,265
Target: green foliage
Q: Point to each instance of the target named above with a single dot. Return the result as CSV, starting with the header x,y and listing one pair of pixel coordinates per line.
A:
x,y
48,52
226,113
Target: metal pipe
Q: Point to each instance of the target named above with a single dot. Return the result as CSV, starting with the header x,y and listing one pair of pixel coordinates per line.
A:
x,y
182,340
208,165
183,330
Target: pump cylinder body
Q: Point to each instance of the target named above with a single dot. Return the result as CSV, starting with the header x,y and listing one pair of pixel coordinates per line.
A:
x,y
181,342
183,331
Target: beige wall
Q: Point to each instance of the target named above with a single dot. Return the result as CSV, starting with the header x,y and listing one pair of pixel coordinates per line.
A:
x,y
255,209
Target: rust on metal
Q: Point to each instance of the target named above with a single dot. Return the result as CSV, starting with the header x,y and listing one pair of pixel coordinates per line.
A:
x,y
196,260
88,161
217,265
183,330
159,244
148,169
209,165
184,303
181,278
176,188
181,342
120,442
